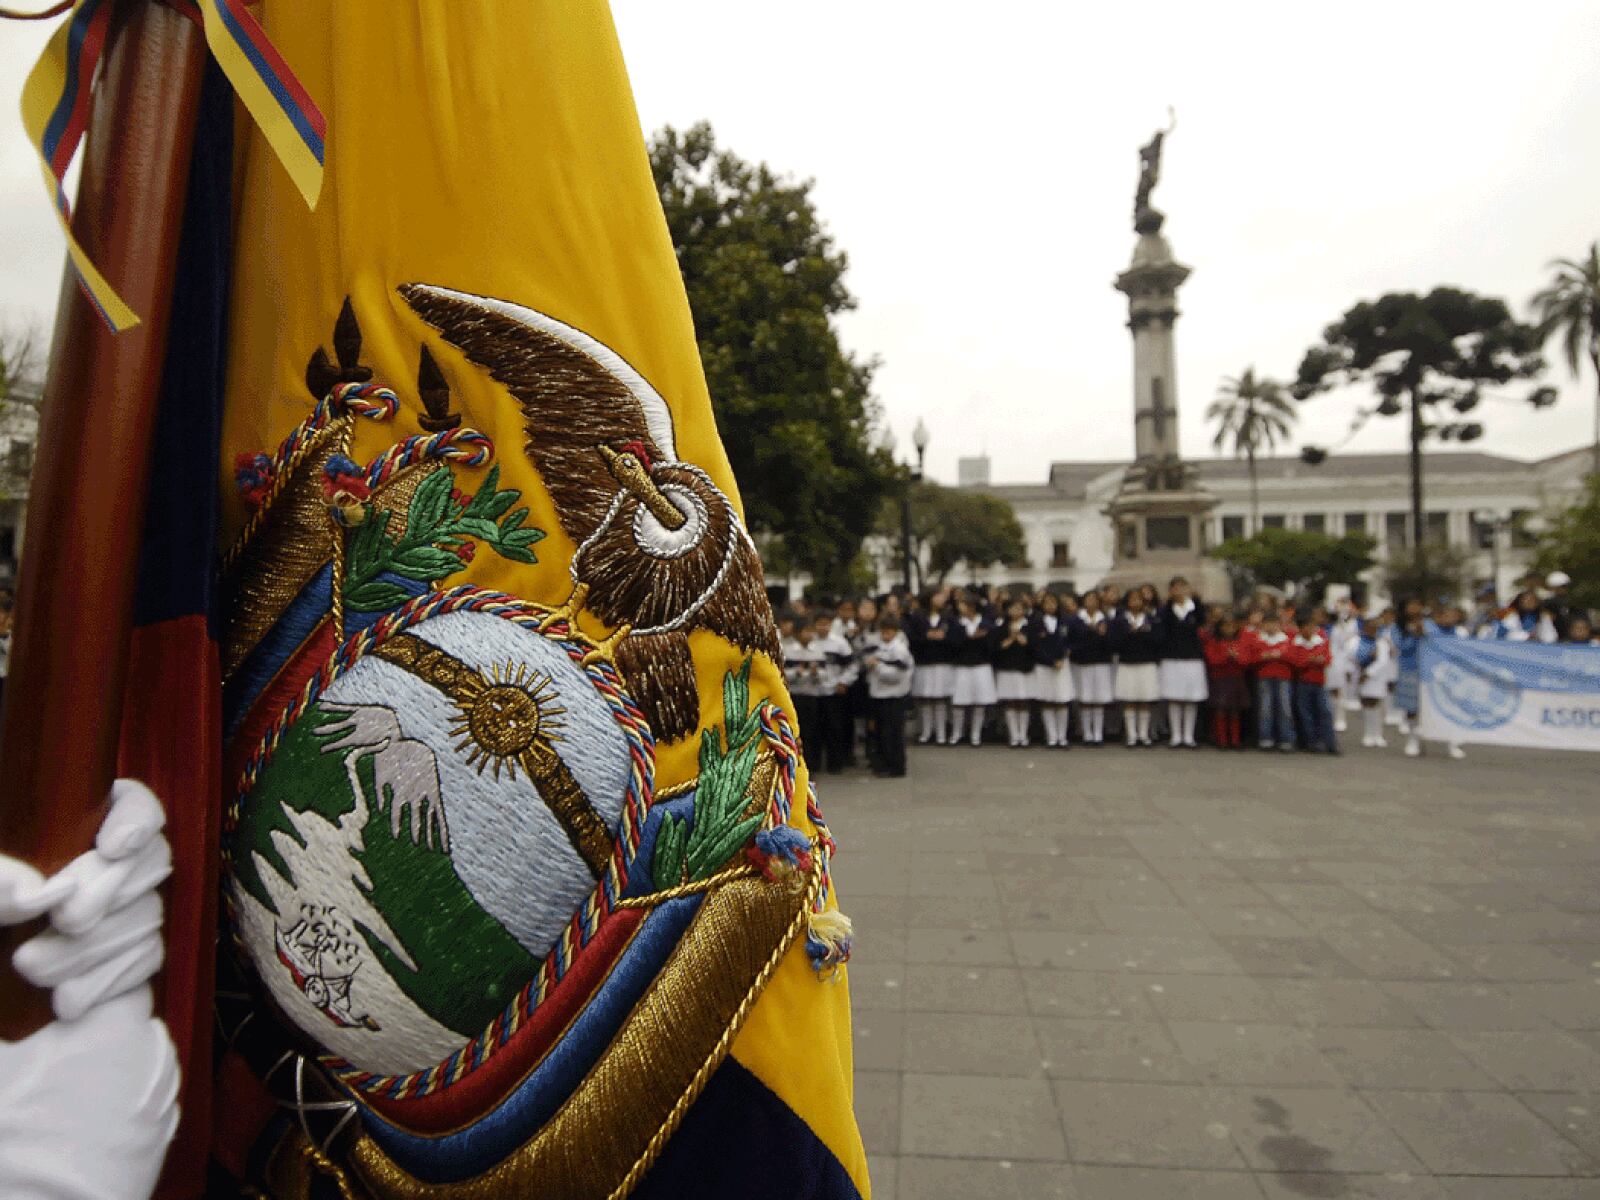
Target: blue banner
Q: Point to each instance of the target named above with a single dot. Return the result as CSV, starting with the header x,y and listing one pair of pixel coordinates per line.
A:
x,y
1511,693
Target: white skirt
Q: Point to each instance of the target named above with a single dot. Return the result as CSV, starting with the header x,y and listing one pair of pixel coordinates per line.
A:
x,y
1375,686
1184,679
1013,685
1094,682
972,685
1138,683
932,681
1053,685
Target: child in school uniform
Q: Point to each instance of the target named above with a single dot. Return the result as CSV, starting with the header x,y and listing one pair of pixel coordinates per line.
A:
x,y
928,630
1269,654
803,666
890,669
838,673
1183,665
1374,656
1093,675
1226,660
1343,634
859,701
1013,672
1311,657
972,689
1136,641
1052,672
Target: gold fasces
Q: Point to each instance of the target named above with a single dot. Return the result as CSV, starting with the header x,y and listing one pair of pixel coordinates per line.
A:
x,y
610,1131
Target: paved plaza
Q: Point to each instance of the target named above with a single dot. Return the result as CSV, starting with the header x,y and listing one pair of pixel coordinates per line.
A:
x,y
1114,975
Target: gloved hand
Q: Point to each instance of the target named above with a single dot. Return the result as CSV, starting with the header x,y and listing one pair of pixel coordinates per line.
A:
x,y
88,1104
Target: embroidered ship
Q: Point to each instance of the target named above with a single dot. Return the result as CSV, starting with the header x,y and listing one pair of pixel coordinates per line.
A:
x,y
302,951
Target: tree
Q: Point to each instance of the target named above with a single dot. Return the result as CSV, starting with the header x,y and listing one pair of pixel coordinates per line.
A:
x,y
955,526
19,364
1441,574
1435,351
794,407
1253,415
1572,544
1569,306
19,367
1285,558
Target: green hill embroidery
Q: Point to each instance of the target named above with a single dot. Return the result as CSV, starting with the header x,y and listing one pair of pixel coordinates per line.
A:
x,y
468,968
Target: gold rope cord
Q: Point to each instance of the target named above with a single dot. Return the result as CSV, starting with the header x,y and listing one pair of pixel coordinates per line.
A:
x,y
710,883
612,1129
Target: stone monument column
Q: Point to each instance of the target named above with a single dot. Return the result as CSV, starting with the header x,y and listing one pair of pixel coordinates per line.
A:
x,y
1159,511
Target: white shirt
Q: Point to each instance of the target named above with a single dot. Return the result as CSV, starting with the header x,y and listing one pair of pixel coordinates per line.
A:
x,y
889,668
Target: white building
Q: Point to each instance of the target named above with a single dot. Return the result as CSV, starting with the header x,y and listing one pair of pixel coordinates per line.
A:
x,y
1069,536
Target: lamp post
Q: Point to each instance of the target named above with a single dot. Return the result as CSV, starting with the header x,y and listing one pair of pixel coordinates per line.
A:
x,y
1494,522
919,439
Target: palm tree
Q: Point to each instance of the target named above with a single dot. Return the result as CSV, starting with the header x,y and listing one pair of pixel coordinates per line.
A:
x,y
1253,415
1570,306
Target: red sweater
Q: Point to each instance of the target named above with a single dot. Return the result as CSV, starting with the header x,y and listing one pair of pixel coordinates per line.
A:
x,y
1271,658
1225,657
1310,663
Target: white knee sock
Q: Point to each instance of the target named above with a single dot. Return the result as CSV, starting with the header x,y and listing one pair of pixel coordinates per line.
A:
x,y
1372,719
1145,717
941,720
979,712
1191,714
1055,724
958,721
1099,722
924,720
1175,721
1086,723
1130,725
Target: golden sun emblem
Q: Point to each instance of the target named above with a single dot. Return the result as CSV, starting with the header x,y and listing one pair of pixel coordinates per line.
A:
x,y
507,719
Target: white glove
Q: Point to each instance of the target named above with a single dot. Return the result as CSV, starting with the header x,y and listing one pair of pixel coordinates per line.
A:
x,y
88,1104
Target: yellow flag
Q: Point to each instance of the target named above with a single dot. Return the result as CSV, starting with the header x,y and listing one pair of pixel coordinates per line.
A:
x,y
519,836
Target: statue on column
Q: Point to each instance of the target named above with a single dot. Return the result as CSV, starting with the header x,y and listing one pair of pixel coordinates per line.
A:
x,y
1149,175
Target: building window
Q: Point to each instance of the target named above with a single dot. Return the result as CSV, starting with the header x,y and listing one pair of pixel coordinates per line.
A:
x,y
1274,521
1482,533
1060,554
1166,533
19,458
8,544
1355,522
1520,537
1128,535
1395,530
1314,523
1436,528
1232,527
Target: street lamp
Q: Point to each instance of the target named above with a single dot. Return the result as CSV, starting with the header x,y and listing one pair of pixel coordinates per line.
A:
x,y
919,439
1487,518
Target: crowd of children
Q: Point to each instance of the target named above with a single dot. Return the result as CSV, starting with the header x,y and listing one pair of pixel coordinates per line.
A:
x,y
1137,666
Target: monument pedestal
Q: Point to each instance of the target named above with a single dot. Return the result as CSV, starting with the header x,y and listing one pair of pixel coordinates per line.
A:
x,y
1159,534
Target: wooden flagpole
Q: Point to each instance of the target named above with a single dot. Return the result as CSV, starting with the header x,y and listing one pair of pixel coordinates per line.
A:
x,y
74,608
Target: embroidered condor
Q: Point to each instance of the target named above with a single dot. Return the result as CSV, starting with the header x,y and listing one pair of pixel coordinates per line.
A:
x,y
661,551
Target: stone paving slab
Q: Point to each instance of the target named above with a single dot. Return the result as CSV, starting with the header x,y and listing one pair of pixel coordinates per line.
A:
x,y
1107,975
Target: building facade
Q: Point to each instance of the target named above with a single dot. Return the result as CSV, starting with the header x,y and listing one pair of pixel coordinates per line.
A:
x,y
1069,533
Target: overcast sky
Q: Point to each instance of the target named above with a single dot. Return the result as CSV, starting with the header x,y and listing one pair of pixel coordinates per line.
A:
x,y
978,165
